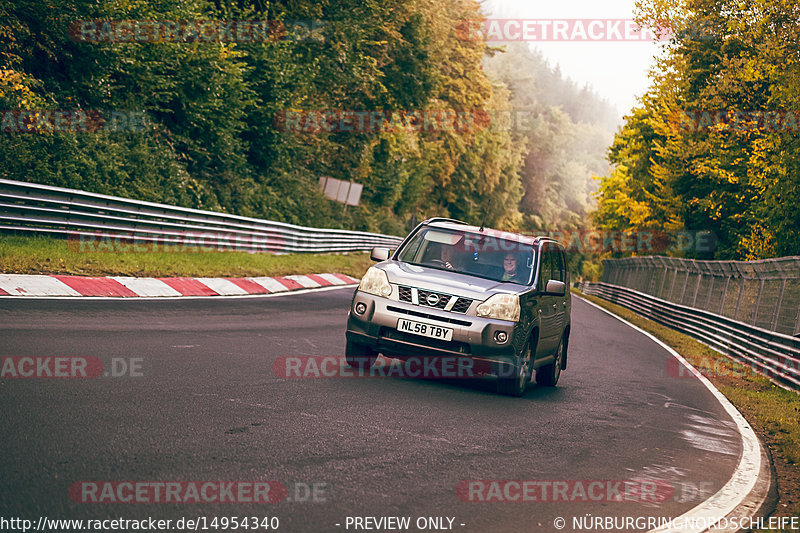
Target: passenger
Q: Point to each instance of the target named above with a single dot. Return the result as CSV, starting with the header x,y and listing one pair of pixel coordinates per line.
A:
x,y
511,270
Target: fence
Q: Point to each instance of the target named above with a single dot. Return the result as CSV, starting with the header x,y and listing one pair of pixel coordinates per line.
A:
x,y
765,294
36,208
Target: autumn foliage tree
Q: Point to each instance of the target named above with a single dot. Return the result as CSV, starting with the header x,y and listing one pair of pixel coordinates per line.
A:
x,y
737,179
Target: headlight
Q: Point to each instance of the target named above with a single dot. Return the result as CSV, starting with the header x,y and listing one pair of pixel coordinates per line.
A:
x,y
376,282
501,306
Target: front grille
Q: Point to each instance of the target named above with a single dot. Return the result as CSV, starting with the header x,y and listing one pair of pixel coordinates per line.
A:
x,y
405,293
461,305
441,299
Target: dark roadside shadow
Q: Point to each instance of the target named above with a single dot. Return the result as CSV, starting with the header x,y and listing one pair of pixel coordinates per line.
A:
x,y
486,384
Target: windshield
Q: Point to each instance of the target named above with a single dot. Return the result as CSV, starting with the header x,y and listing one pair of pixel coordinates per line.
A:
x,y
486,254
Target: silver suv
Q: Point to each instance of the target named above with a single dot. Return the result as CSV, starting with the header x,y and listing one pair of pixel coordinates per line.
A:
x,y
494,299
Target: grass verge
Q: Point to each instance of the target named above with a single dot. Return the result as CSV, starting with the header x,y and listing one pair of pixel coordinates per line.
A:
x,y
773,412
21,254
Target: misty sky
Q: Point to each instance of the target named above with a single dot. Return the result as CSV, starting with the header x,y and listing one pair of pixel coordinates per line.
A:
x,y
617,71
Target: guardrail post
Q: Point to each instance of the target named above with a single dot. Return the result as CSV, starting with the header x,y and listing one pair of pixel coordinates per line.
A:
x,y
672,286
739,300
758,301
663,281
685,283
724,295
778,306
696,289
797,324
710,291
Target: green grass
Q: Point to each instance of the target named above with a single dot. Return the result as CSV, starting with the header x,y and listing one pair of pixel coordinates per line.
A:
x,y
46,255
774,412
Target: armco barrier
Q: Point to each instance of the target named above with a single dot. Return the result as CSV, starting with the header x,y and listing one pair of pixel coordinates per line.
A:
x,y
774,355
64,212
764,293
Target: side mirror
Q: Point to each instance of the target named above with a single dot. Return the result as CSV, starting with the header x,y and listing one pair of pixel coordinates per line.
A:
x,y
555,287
379,254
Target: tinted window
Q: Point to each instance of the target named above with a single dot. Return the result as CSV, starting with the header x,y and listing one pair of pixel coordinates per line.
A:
x,y
486,254
559,269
547,267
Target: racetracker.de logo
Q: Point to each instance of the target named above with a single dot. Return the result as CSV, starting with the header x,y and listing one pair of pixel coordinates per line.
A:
x,y
177,242
734,120
177,492
548,30
316,367
50,121
50,367
193,31
580,490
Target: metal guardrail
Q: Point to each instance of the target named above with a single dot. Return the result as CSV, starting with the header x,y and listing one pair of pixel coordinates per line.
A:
x,y
92,219
772,354
762,293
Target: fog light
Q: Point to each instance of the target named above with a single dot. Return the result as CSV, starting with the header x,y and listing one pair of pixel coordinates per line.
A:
x,y
361,308
500,336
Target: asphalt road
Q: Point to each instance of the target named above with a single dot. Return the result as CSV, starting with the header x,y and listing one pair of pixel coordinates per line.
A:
x,y
205,404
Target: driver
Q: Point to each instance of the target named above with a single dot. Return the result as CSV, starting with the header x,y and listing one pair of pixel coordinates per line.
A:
x,y
446,254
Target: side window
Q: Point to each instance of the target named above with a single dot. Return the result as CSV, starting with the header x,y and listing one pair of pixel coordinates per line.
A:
x,y
559,269
546,271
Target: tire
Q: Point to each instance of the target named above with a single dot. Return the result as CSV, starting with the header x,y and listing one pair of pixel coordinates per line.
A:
x,y
548,375
515,385
359,355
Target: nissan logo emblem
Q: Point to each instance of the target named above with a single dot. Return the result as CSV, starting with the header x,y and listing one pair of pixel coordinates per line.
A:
x,y
432,299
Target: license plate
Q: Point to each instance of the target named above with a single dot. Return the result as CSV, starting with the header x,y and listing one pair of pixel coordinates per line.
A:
x,y
426,330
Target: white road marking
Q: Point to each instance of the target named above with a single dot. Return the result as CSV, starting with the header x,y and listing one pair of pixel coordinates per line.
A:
x,y
271,284
305,281
35,285
331,278
147,286
222,286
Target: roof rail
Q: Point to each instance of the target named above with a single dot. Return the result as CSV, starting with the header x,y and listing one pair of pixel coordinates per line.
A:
x,y
443,219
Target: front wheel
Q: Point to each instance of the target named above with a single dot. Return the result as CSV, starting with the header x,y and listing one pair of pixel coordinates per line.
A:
x,y
359,355
548,375
516,384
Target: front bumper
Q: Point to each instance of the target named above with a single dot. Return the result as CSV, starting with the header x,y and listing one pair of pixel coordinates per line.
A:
x,y
473,337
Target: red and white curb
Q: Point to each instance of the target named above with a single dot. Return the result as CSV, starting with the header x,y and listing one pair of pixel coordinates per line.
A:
x,y
21,285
